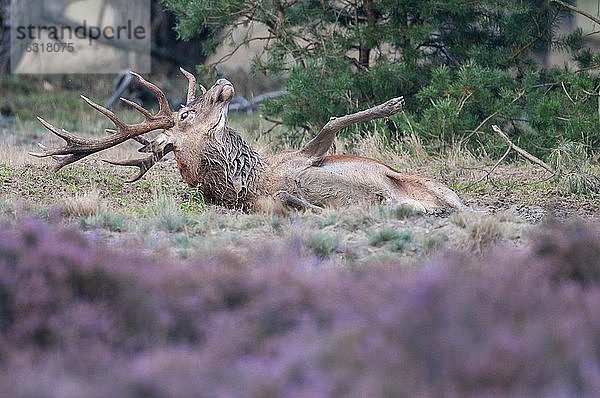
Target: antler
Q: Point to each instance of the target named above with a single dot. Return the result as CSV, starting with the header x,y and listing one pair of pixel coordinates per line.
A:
x,y
318,146
159,147
191,94
77,148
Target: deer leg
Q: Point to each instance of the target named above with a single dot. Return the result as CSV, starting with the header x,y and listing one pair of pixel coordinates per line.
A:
x,y
317,147
298,203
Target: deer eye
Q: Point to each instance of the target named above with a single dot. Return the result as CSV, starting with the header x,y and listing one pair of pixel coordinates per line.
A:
x,y
184,115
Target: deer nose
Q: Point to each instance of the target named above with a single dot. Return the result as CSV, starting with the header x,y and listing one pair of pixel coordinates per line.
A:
x,y
223,82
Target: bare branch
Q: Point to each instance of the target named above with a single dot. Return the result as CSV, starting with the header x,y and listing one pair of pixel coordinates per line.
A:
x,y
577,10
247,40
520,150
489,173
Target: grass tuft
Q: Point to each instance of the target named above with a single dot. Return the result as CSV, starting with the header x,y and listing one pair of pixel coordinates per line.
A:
x,y
573,170
114,222
391,238
482,231
167,215
81,205
331,217
434,243
323,244
402,212
195,202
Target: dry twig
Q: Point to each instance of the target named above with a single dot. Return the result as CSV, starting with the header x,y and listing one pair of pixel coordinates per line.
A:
x,y
520,150
517,149
577,10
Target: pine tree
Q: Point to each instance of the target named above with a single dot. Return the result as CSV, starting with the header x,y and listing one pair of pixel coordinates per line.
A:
x,y
461,65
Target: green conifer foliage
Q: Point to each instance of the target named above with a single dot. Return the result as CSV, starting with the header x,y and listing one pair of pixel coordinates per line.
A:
x,y
461,65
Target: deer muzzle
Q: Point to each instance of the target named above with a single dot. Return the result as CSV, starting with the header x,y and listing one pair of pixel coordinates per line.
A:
x,y
225,89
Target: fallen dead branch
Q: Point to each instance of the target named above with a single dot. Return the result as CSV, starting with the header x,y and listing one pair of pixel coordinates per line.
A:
x,y
511,146
520,150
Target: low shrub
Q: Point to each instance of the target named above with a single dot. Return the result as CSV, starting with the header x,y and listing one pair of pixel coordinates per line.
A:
x,y
80,319
323,244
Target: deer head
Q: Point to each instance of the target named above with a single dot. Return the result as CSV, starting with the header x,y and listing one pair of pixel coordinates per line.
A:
x,y
201,118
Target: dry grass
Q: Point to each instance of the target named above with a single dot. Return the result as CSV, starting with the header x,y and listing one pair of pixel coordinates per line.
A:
x,y
82,205
14,156
161,215
480,231
154,213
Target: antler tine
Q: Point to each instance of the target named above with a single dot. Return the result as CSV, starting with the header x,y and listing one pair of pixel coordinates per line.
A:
x,y
62,133
62,160
139,138
191,93
144,164
64,155
163,103
106,112
159,149
137,107
76,147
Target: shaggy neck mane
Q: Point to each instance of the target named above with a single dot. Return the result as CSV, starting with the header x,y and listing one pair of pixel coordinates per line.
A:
x,y
228,172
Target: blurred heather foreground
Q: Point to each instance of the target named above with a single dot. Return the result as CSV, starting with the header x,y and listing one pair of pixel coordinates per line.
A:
x,y
78,319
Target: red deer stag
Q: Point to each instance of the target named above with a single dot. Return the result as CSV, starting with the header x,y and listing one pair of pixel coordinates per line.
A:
x,y
215,158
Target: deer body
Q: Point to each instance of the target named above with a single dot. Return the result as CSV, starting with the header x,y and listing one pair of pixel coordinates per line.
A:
x,y
233,175
342,180
216,159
